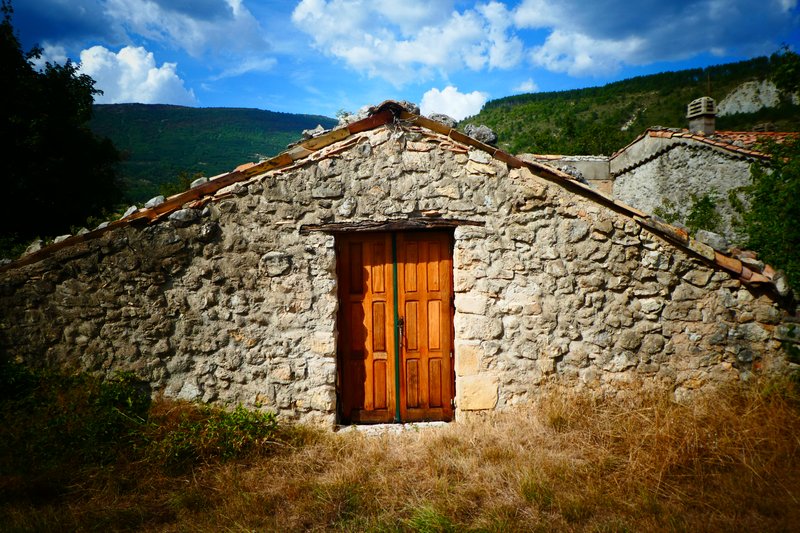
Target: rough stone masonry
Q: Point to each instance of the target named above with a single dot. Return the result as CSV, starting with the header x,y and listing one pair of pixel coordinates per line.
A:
x,y
232,303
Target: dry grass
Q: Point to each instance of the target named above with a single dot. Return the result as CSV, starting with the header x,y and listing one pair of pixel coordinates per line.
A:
x,y
572,463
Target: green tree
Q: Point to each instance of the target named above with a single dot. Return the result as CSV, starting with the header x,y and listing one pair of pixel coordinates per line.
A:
x,y
772,220
181,183
55,171
787,70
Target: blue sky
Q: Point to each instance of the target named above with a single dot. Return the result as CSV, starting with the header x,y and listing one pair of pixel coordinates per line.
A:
x,y
321,56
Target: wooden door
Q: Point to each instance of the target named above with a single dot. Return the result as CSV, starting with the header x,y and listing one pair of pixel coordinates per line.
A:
x,y
425,290
366,328
395,327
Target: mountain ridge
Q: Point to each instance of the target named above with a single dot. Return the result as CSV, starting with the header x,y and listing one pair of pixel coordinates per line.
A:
x,y
161,141
603,119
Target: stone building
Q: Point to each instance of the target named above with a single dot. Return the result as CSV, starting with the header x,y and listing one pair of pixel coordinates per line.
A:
x,y
395,270
667,167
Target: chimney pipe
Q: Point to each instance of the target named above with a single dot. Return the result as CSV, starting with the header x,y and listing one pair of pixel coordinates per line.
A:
x,y
701,114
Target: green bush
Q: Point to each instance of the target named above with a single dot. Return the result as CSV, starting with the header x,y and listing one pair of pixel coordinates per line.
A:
x,y
204,434
772,219
53,419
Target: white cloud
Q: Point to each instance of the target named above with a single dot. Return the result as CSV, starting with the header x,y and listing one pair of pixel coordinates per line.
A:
x,y
380,39
538,14
54,54
451,102
580,55
197,27
262,64
505,51
594,38
527,86
410,15
132,76
220,33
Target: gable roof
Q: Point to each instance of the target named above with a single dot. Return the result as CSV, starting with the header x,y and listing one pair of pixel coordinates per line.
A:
x,y
657,140
390,112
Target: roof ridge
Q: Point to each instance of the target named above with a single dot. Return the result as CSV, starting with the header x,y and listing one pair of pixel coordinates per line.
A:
x,y
387,112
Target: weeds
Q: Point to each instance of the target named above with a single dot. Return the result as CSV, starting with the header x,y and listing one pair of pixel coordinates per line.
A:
x,y
728,461
203,434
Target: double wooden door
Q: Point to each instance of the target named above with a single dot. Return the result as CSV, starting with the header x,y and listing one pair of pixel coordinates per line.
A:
x,y
395,327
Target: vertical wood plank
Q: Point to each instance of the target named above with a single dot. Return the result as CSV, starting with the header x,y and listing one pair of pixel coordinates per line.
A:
x,y
410,266
412,383
434,256
379,326
435,382
379,267
356,268
412,326
380,374
434,325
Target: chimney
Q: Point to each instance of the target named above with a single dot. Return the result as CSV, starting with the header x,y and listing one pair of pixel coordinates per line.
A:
x,y
701,113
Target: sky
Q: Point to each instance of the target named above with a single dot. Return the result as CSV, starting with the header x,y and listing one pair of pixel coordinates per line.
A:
x,y
448,56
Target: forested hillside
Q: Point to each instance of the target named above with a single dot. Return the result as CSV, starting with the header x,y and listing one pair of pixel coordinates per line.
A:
x,y
601,120
161,141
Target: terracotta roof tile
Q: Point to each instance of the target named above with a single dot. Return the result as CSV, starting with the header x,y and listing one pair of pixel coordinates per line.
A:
x,y
737,141
759,278
750,138
730,264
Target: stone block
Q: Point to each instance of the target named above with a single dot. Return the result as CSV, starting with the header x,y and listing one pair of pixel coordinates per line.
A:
x,y
275,263
629,340
475,393
652,344
698,276
328,190
473,305
788,332
588,375
751,332
468,358
686,292
603,226
323,343
477,327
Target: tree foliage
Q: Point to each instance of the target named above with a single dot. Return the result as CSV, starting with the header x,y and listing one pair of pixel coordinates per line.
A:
x,y
772,219
55,171
787,72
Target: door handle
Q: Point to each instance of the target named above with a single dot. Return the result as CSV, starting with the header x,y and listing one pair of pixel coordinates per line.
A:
x,y
401,324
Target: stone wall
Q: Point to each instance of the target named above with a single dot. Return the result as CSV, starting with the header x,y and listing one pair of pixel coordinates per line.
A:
x,y
591,169
681,172
234,304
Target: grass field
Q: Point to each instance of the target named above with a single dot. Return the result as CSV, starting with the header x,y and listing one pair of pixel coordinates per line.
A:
x,y
728,462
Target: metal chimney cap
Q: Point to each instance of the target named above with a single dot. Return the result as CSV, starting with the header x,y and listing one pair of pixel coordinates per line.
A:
x,y
702,106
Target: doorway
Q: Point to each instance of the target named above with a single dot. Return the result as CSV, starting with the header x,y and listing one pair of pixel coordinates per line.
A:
x,y
395,345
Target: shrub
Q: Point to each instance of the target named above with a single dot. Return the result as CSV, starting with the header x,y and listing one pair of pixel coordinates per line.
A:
x,y
201,434
703,213
57,418
772,219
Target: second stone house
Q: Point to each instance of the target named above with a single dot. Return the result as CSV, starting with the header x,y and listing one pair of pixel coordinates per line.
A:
x,y
667,169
